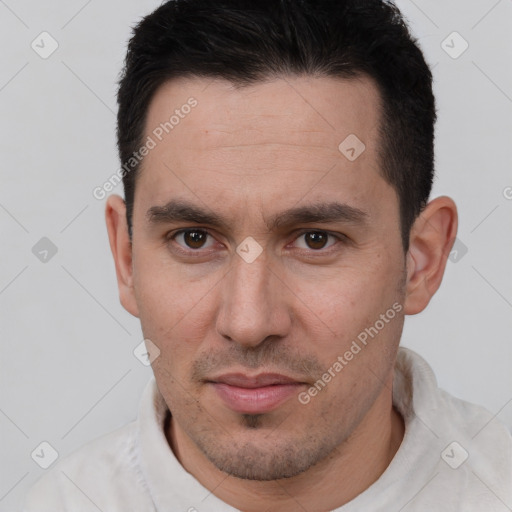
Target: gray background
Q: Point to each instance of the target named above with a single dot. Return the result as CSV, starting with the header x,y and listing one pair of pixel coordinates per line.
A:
x,y
68,373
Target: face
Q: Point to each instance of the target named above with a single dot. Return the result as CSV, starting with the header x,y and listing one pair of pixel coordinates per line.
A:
x,y
262,255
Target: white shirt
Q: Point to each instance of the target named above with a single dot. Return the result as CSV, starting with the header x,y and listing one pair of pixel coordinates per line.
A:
x,y
455,456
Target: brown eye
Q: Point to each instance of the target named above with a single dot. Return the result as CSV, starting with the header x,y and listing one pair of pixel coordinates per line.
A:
x,y
316,239
192,239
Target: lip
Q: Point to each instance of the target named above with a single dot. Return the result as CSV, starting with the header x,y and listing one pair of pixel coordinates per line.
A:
x,y
254,394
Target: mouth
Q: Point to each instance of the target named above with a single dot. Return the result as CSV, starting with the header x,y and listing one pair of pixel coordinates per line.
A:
x,y
256,394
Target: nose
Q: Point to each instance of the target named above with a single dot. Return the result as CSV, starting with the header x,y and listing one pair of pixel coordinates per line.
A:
x,y
254,303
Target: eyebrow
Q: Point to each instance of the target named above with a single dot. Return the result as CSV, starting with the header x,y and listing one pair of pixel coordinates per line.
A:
x,y
180,210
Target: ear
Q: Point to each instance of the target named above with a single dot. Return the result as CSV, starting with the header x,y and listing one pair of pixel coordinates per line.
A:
x,y
121,247
431,239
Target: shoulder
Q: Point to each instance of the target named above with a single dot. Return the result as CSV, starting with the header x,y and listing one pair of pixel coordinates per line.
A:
x,y
480,436
470,447
419,394
103,474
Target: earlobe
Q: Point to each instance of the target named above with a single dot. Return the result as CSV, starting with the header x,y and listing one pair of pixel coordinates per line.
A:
x,y
431,239
121,247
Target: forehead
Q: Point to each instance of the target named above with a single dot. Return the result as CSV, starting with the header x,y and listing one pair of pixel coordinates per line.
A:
x,y
305,110
277,140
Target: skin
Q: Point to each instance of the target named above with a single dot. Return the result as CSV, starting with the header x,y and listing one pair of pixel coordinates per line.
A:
x,y
248,154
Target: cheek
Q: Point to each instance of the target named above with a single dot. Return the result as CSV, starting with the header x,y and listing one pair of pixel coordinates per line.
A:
x,y
174,311
350,298
178,324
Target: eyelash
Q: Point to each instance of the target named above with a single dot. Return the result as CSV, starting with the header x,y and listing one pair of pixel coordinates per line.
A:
x,y
170,237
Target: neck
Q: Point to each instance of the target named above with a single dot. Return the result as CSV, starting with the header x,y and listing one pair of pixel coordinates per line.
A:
x,y
357,464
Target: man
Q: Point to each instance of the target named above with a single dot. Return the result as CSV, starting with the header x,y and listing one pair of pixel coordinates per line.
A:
x,y
277,159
